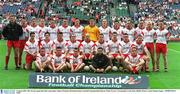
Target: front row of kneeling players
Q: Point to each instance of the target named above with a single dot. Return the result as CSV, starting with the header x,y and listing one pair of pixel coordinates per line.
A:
x,y
99,56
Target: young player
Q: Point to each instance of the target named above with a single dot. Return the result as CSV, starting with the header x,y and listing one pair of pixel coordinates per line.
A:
x,y
43,61
148,34
161,44
76,62
114,49
134,61
101,62
22,39
53,30
142,51
42,29
77,29
47,44
140,28
101,43
87,49
105,30
31,49
59,60
59,42
118,29
129,30
66,30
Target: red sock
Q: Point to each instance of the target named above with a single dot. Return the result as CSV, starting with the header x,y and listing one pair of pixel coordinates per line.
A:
x,y
7,60
134,70
16,61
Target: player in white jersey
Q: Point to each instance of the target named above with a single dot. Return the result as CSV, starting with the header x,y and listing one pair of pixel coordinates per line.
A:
x,y
134,61
71,45
47,44
76,62
148,39
87,49
114,49
101,43
130,31
59,42
105,30
66,30
125,46
53,30
77,29
140,28
34,28
42,29
118,29
43,61
22,39
59,60
142,51
31,49
161,44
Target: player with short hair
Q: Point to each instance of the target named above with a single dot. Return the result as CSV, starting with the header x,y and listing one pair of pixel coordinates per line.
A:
x,y
161,44
129,29
47,44
101,43
31,49
59,60
100,62
142,51
43,61
118,29
53,30
76,62
59,42
134,61
77,29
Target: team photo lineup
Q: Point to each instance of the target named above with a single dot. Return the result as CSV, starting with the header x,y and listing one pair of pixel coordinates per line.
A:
x,y
91,48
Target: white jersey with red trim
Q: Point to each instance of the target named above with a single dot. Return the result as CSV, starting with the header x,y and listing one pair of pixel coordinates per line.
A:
x,y
59,59
131,33
47,45
119,32
75,60
36,30
87,47
42,59
103,45
125,47
114,47
162,36
71,46
66,32
61,44
77,31
140,47
139,31
134,59
31,47
42,31
149,35
53,32
106,32
25,33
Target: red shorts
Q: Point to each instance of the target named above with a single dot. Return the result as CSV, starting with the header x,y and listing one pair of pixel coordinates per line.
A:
x,y
29,59
74,65
87,55
125,55
114,55
161,48
22,44
150,47
13,43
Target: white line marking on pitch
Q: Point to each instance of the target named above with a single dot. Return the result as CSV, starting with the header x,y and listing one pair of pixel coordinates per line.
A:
x,y
174,50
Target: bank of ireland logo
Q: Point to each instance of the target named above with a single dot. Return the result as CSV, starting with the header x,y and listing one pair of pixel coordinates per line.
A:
x,y
132,80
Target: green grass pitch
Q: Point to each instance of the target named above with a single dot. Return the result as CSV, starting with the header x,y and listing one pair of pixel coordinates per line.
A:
x,y
17,79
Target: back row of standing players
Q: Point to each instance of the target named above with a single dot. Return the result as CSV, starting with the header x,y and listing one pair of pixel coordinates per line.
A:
x,y
116,42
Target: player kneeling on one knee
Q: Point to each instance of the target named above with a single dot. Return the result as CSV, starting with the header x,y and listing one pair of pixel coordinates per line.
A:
x,y
43,61
134,61
100,62
59,60
76,63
